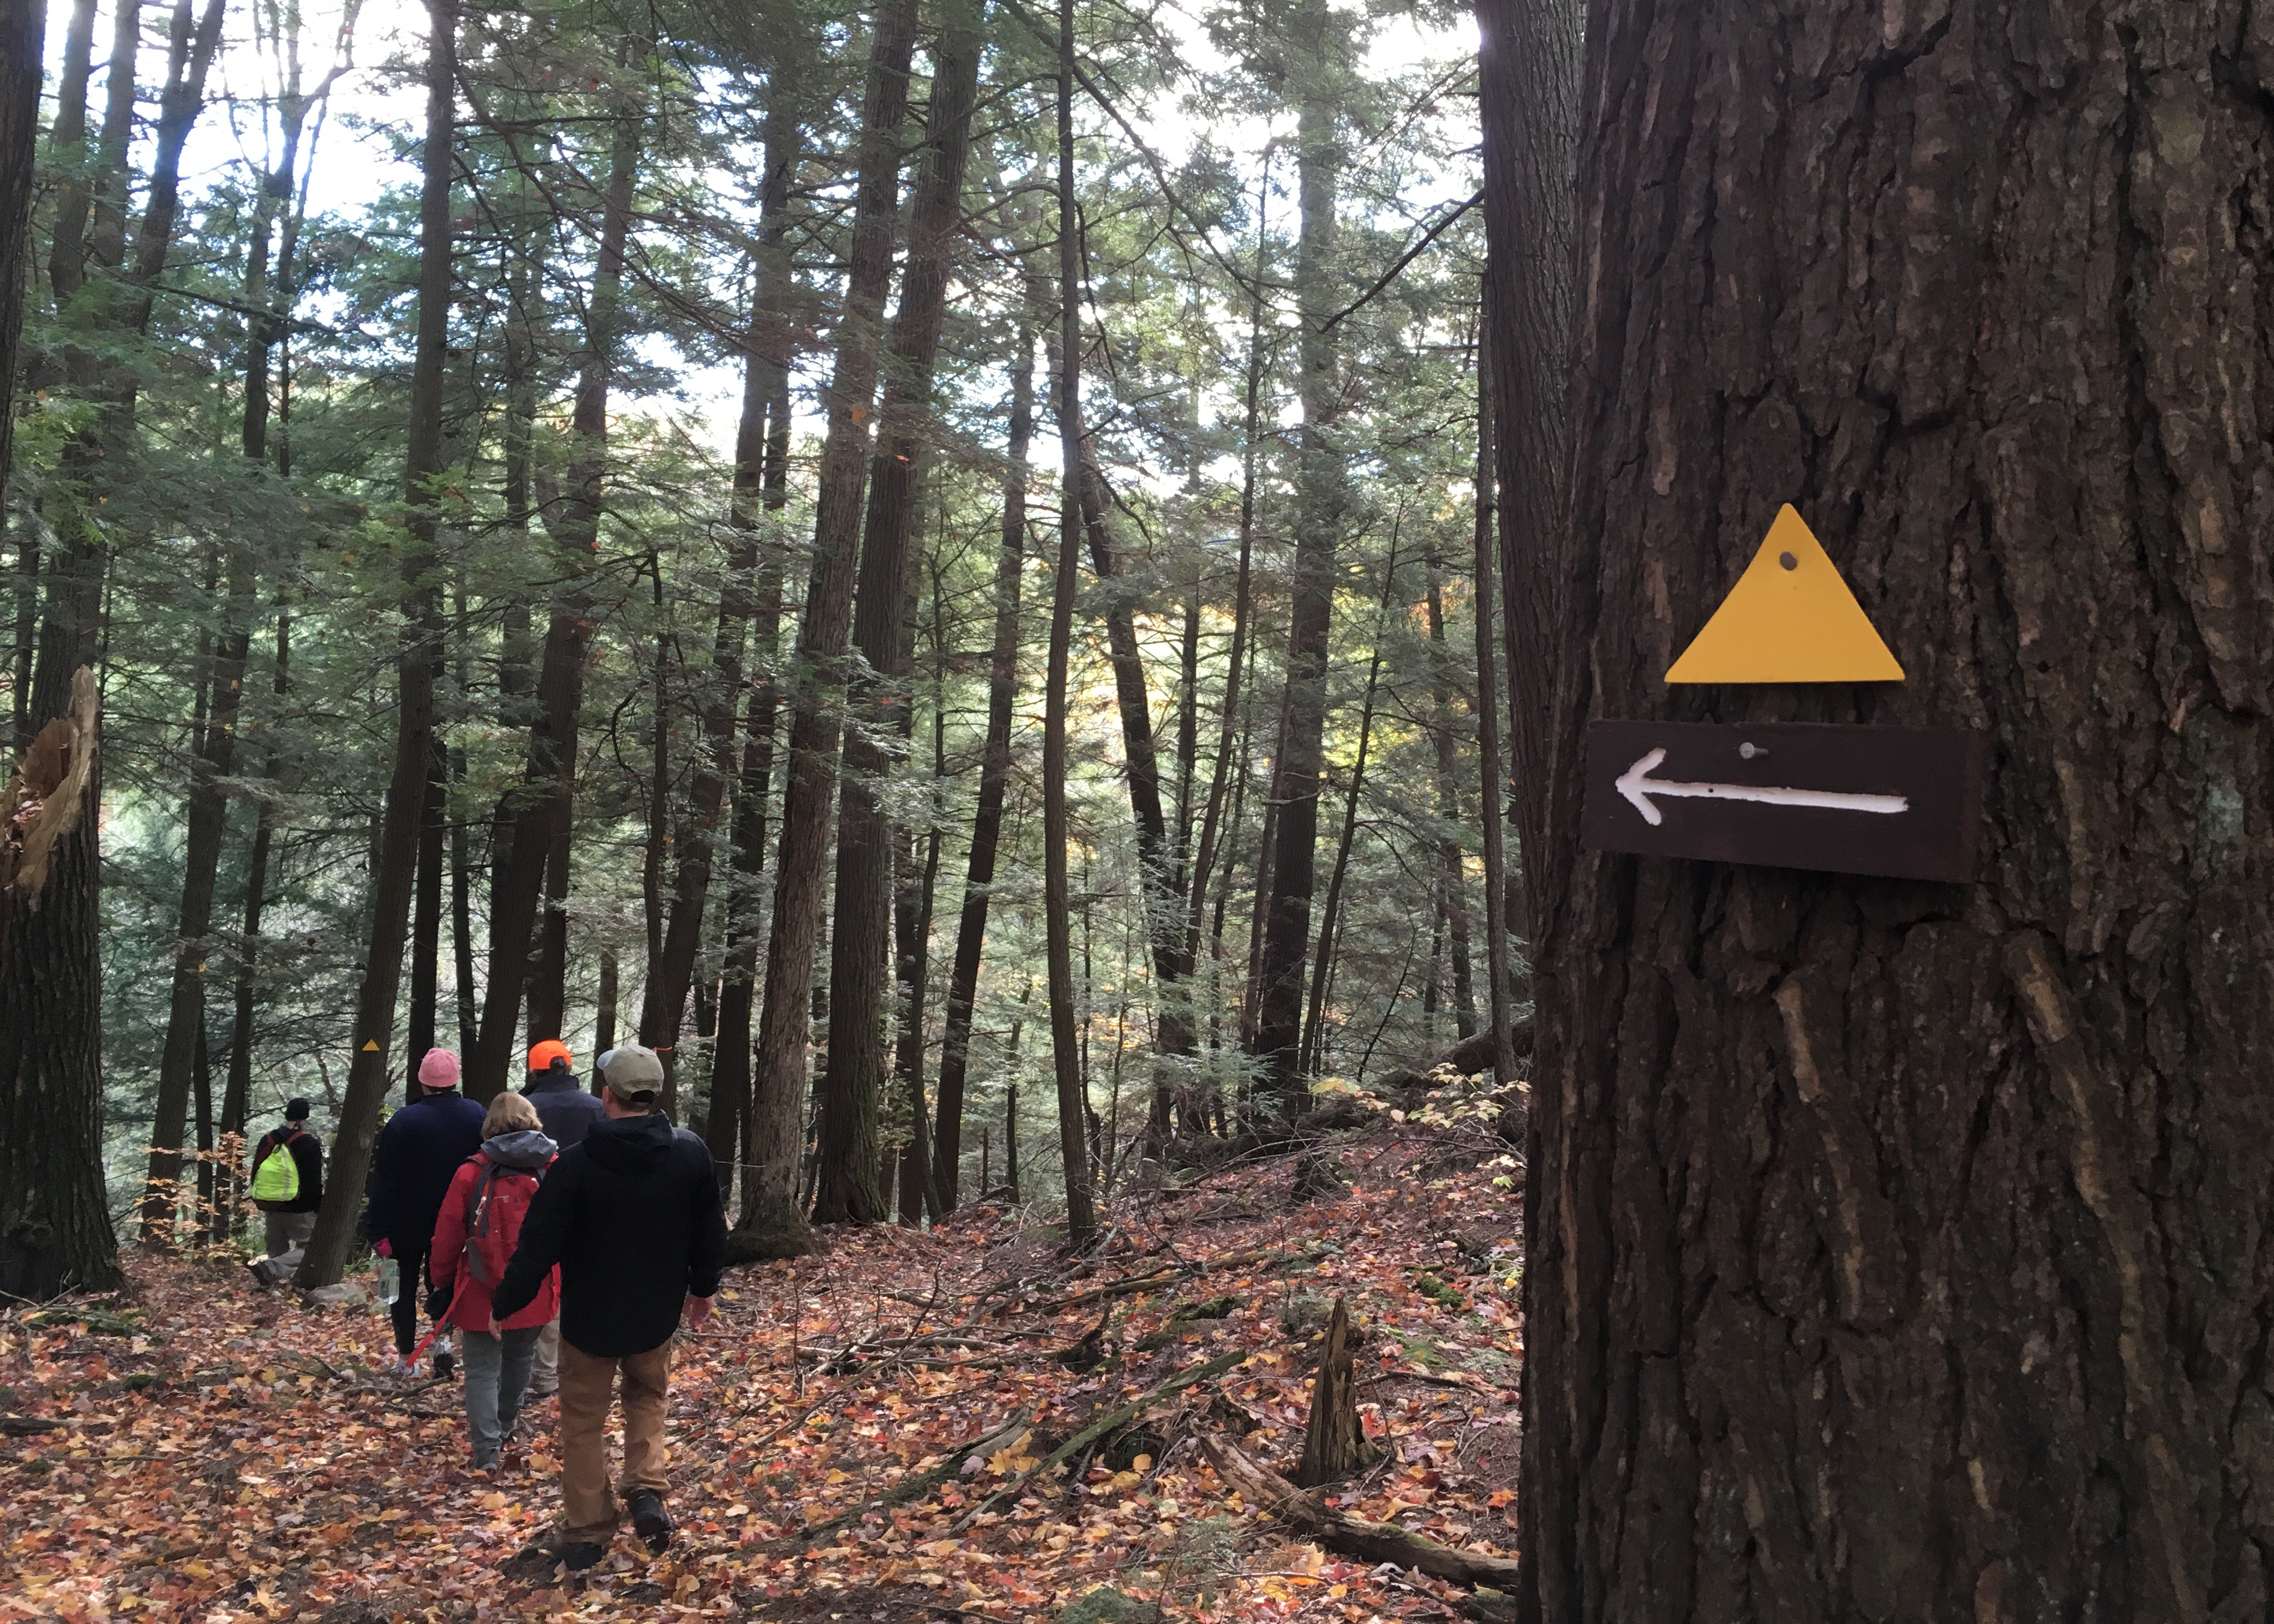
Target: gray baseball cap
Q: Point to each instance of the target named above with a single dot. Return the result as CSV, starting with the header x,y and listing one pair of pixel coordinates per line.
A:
x,y
630,1070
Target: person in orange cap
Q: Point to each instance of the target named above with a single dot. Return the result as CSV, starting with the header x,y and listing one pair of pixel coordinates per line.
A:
x,y
567,1114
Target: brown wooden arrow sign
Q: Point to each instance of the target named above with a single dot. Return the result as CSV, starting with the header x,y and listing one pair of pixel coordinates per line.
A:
x,y
1904,802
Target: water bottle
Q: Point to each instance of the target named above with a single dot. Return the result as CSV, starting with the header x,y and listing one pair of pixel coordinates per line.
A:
x,y
390,1280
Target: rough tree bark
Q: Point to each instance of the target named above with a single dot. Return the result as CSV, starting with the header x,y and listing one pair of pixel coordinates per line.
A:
x,y
773,1223
1528,66
861,937
1904,1251
373,1034
55,1220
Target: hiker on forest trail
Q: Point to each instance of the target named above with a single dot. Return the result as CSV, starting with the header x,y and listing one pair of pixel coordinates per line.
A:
x,y
568,1113
474,1239
631,1217
418,1153
288,1181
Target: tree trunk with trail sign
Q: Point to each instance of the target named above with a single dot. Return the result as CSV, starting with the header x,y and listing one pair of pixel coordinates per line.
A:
x,y
1904,1249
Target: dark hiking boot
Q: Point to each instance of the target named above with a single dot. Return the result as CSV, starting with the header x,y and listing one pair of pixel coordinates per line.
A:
x,y
650,1521
536,1561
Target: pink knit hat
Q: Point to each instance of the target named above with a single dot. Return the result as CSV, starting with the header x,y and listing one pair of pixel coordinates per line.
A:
x,y
438,1070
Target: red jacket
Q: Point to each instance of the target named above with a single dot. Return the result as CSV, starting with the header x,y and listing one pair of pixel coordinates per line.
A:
x,y
511,1165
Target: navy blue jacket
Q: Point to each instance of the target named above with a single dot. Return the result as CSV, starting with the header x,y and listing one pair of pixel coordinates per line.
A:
x,y
632,1218
567,1111
418,1152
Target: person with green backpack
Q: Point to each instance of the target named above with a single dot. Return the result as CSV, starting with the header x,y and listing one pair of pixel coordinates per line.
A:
x,y
288,1180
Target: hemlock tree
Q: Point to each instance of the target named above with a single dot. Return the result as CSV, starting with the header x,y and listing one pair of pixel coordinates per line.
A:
x,y
1901,1250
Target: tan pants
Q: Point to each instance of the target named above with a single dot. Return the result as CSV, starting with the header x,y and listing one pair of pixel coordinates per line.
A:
x,y
590,1508
545,1375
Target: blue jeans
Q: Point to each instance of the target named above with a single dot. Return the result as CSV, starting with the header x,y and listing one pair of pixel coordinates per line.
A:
x,y
497,1374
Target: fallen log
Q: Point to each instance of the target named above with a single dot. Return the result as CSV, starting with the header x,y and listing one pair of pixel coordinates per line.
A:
x,y
1369,1541
910,1488
1466,1059
1113,1422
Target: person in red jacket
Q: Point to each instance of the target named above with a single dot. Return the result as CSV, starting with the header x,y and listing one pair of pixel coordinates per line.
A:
x,y
474,1238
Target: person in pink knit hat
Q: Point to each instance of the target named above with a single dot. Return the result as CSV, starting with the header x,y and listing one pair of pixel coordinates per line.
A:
x,y
419,1152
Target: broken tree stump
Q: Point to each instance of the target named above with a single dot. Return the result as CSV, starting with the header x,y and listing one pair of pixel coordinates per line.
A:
x,y
1336,1446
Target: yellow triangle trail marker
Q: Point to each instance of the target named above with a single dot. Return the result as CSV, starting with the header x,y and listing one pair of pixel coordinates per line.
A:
x,y
1790,619
371,1046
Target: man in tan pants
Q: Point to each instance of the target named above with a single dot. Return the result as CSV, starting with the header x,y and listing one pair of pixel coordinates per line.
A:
x,y
631,1217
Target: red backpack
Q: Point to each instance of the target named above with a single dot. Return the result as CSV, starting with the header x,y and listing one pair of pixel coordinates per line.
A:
x,y
495,1207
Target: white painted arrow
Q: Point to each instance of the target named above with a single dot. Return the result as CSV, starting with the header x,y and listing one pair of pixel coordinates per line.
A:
x,y
1639,786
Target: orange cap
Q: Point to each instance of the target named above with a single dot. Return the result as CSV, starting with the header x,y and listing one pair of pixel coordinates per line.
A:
x,y
541,1058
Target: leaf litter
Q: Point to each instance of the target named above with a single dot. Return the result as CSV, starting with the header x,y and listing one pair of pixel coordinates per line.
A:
x,y
905,1428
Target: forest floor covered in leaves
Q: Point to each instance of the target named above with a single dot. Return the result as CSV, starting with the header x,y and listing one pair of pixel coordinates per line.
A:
x,y
197,1448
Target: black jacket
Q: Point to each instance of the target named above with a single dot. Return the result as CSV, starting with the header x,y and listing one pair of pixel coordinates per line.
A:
x,y
417,1155
308,1151
567,1111
632,1218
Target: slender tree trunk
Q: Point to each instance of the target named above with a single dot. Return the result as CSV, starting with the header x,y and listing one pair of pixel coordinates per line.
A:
x,y
236,1091
1314,1050
917,893
426,899
652,1022
1493,785
213,760
465,996
1452,869
919,890
604,1026
201,1094
1319,46
373,1031
538,840
853,1080
1158,857
1065,1042
772,1222
994,770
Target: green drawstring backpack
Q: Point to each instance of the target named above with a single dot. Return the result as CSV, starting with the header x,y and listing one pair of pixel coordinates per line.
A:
x,y
277,1178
